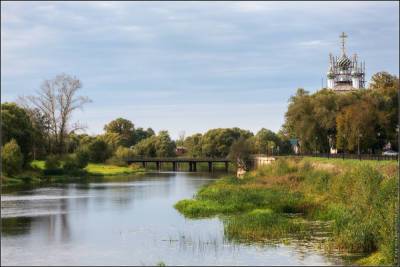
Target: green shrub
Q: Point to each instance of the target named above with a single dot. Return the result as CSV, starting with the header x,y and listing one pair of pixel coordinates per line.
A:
x,y
82,157
70,163
123,153
98,151
120,155
52,165
11,158
52,162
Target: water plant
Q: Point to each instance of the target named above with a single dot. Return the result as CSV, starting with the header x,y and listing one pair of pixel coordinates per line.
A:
x,y
359,198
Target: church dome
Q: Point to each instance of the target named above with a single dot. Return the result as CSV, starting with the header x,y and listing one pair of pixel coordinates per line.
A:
x,y
344,62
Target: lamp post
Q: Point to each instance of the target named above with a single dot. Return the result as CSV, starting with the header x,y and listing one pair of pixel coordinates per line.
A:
x,y
379,143
358,144
397,133
316,138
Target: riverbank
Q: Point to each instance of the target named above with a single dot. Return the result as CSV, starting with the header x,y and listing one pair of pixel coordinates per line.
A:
x,y
35,174
354,201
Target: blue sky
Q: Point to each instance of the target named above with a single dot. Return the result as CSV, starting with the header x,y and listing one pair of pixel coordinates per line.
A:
x,y
189,66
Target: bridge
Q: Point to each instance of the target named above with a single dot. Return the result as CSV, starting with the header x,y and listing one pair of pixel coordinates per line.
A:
x,y
192,162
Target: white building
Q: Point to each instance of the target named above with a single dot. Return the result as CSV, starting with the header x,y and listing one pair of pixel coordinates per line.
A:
x,y
345,74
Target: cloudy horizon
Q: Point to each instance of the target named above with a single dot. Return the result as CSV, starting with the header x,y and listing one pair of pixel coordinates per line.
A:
x,y
189,66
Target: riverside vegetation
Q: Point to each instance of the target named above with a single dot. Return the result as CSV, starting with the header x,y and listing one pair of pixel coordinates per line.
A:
x,y
358,200
40,127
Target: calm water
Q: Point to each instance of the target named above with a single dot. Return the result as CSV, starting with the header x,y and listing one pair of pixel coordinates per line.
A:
x,y
130,221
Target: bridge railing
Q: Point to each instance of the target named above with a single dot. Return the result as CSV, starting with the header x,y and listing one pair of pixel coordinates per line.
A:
x,y
176,159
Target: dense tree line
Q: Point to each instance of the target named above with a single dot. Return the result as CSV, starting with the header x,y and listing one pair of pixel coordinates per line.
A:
x,y
366,118
40,127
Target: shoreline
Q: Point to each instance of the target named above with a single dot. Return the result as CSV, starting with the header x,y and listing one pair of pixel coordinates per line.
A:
x,y
260,207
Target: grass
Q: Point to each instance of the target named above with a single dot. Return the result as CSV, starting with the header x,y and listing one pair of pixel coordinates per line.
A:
x,y
97,169
261,224
358,197
35,174
108,170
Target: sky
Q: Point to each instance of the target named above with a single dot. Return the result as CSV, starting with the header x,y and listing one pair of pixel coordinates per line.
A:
x,y
187,67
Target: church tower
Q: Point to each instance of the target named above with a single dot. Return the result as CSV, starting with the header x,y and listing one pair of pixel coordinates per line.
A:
x,y
345,74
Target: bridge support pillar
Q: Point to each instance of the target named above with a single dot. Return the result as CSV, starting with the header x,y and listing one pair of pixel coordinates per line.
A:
x,y
174,166
158,165
210,166
144,164
226,166
194,166
190,166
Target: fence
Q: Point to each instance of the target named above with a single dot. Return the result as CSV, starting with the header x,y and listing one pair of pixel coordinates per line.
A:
x,y
346,156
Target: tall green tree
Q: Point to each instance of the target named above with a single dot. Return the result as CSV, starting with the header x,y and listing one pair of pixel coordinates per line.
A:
x,y
356,126
16,124
263,138
193,145
125,128
165,147
217,142
141,134
146,147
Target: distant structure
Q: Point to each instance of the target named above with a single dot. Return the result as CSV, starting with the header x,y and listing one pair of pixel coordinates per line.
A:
x,y
180,150
345,74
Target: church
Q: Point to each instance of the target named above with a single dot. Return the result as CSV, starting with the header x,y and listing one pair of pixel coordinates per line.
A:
x,y
345,74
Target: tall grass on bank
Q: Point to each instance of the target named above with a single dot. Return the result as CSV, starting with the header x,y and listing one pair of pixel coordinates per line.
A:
x,y
359,199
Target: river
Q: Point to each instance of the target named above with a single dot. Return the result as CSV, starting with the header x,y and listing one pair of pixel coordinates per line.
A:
x,y
127,221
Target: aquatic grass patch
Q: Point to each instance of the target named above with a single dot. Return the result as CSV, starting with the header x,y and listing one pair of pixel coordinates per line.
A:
x,y
192,208
261,224
357,198
227,197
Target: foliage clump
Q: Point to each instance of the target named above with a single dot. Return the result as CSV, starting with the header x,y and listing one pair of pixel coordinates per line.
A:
x,y
11,158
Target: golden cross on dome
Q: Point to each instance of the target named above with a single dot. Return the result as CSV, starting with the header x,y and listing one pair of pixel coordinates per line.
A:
x,y
343,36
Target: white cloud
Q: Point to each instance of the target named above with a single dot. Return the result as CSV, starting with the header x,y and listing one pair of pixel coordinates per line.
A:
x,y
314,43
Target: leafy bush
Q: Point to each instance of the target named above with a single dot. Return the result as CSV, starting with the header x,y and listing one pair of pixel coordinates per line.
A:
x,y
82,157
52,165
120,155
11,158
98,151
124,153
52,162
70,164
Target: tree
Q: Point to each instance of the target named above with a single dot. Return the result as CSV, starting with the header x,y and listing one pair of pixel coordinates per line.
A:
x,y
299,119
240,153
386,87
11,158
146,147
114,140
193,145
356,126
384,81
98,150
181,138
165,147
16,124
125,128
263,138
57,101
141,134
217,142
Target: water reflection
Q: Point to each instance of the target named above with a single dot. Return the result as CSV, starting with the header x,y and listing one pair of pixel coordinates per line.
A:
x,y
127,221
